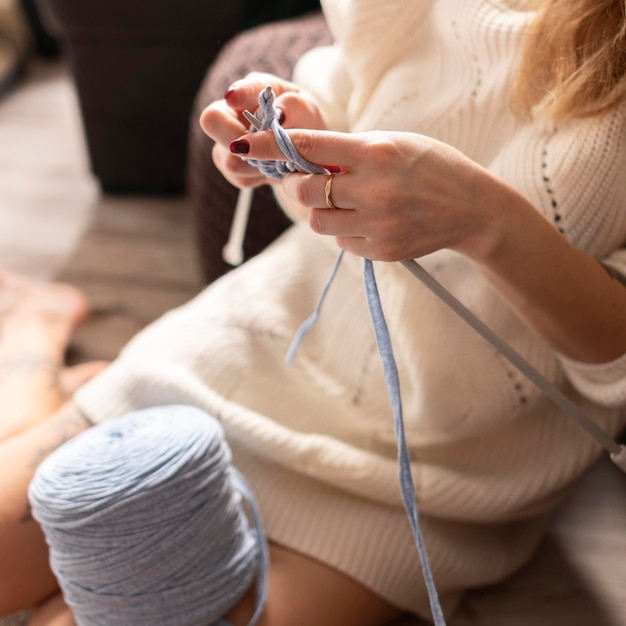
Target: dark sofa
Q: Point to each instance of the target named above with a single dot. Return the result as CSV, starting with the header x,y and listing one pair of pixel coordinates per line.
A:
x,y
137,65
273,47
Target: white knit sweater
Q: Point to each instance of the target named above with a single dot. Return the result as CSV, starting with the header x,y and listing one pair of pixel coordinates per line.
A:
x,y
491,456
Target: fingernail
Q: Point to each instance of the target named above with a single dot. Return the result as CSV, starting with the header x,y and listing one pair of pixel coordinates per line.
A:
x,y
281,116
229,92
240,146
333,169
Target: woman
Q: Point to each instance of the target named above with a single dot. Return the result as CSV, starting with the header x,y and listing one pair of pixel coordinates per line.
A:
x,y
488,139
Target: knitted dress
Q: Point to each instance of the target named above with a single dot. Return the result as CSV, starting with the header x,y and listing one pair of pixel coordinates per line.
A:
x,y
491,457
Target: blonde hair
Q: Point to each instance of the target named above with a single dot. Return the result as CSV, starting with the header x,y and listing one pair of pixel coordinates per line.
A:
x,y
573,62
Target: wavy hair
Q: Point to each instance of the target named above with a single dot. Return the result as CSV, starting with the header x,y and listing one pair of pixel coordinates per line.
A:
x,y
573,62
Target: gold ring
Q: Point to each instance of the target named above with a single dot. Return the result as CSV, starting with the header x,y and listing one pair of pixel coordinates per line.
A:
x,y
328,190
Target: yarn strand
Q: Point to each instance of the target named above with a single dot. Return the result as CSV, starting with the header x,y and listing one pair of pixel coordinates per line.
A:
x,y
407,486
265,118
279,170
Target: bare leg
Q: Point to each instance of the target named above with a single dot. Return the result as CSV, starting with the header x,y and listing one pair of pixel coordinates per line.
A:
x,y
25,576
308,593
36,323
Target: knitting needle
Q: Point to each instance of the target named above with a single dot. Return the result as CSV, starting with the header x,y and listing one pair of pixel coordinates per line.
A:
x,y
616,451
233,252
253,119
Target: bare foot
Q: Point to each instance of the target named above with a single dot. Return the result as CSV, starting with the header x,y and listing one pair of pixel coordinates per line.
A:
x,y
63,306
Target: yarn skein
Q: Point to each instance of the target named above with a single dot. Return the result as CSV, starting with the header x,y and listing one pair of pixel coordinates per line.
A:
x,y
145,521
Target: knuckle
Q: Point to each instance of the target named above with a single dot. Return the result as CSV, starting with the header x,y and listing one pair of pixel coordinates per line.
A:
x,y
349,245
209,118
302,191
307,143
314,223
382,148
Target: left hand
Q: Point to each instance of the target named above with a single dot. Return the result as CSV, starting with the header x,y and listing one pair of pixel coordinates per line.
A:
x,y
223,121
399,195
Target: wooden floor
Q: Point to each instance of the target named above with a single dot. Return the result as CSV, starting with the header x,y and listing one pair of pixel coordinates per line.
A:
x,y
134,255
46,193
135,258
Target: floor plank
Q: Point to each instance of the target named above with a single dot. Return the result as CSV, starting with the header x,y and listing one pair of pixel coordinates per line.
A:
x,y
47,194
136,261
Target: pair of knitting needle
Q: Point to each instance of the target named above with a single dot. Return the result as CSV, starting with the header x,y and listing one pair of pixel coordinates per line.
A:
x,y
233,252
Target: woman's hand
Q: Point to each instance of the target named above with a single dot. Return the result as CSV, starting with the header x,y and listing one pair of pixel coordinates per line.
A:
x,y
223,121
402,195
399,195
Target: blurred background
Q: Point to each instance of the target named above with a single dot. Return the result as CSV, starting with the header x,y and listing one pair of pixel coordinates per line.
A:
x,y
46,189
96,112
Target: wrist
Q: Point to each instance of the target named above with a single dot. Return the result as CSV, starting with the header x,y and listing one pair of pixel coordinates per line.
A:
x,y
493,224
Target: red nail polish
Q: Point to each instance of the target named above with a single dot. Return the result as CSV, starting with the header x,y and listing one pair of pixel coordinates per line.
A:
x,y
240,146
229,92
333,169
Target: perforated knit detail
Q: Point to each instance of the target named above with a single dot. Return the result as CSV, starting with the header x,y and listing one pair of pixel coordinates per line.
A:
x,y
557,218
520,387
471,55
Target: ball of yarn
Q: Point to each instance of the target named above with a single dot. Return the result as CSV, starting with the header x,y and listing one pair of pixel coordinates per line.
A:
x,y
145,522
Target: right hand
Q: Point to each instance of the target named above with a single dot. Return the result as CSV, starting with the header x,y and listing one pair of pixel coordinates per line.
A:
x,y
223,122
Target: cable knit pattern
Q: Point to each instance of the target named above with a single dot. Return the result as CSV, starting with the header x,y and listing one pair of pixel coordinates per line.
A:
x,y
315,438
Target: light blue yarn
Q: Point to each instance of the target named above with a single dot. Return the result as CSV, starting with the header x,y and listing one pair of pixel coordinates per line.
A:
x,y
145,523
386,352
295,162
308,324
404,461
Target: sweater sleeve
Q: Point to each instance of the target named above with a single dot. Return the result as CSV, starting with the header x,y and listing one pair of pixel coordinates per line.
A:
x,y
604,383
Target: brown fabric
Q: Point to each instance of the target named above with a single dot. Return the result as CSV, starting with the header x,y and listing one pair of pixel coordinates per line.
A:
x,y
271,48
137,66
